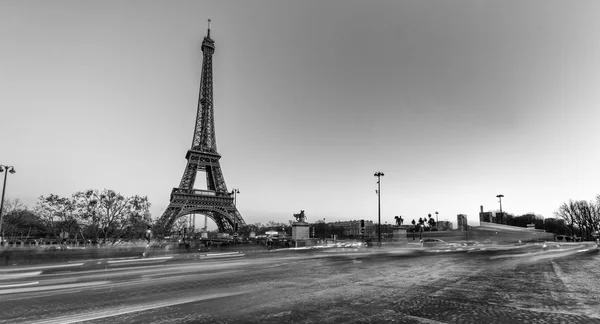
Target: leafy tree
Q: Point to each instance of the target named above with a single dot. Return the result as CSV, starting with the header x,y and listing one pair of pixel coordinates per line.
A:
x,y
58,214
180,224
111,215
246,229
431,222
12,205
555,225
9,207
22,223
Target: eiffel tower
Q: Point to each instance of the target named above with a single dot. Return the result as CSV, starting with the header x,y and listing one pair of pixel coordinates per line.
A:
x,y
215,202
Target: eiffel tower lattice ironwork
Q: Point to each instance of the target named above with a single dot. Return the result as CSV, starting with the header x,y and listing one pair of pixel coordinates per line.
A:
x,y
216,202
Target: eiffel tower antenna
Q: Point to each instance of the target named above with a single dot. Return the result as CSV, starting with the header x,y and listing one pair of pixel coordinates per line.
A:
x,y
216,202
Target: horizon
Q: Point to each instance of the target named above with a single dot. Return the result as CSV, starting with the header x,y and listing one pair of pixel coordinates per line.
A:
x,y
454,102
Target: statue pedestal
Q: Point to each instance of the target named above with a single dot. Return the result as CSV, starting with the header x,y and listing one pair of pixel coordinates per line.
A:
x,y
300,231
400,233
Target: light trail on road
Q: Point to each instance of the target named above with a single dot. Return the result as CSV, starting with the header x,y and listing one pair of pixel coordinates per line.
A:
x,y
375,285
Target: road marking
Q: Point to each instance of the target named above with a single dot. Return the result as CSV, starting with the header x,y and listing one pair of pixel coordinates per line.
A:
x,y
20,285
131,309
20,275
52,287
224,253
44,267
423,320
140,260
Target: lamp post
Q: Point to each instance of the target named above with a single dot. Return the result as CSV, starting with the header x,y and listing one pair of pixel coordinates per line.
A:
x,y
235,192
8,169
437,227
386,231
500,200
466,226
323,230
379,174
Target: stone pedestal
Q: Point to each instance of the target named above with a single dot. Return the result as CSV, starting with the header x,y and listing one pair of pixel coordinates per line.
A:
x,y
300,231
400,233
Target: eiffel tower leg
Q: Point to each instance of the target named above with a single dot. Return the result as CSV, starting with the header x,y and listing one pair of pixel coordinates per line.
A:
x,y
165,222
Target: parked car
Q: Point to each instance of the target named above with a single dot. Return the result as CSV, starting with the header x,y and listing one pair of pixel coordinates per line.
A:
x,y
550,246
431,242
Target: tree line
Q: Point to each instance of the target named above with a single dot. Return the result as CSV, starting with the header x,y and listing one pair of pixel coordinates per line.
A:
x,y
106,216
101,216
582,217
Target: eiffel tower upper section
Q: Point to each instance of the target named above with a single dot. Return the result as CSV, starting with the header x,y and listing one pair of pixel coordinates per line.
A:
x,y
204,132
204,141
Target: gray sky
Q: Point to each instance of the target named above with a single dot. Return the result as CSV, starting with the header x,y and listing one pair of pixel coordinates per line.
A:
x,y
455,101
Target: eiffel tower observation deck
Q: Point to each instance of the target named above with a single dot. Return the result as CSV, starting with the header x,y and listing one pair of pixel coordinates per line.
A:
x,y
216,202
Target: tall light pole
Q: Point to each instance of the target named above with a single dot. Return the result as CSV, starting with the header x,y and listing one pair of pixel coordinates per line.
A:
x,y
437,226
500,199
386,230
501,214
379,174
235,192
323,230
8,169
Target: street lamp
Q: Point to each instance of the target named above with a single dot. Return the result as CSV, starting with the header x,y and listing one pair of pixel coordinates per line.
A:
x,y
235,192
500,199
10,169
379,174
501,214
437,226
323,230
386,230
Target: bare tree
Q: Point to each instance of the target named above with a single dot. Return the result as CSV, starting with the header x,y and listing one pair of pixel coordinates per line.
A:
x,y
595,214
567,211
581,215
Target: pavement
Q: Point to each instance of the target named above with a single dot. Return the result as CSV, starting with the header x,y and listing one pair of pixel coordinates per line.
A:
x,y
460,284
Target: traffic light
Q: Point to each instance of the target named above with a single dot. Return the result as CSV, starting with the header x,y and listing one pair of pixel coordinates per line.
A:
x,y
236,227
362,223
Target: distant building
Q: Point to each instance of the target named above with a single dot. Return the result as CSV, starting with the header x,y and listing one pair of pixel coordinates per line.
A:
x,y
352,227
485,217
500,218
461,221
444,225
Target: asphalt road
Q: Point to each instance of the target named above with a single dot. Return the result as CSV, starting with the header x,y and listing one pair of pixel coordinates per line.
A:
x,y
512,284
